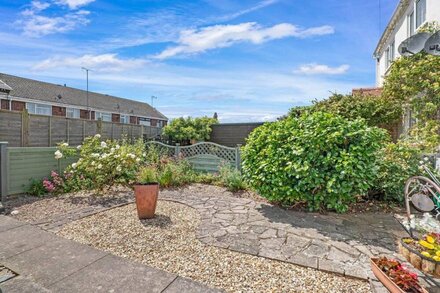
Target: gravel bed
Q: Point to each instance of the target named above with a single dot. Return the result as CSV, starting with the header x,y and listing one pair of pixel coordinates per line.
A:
x,y
169,242
31,209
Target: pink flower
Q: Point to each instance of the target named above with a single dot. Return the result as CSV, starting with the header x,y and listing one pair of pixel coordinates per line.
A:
x,y
48,185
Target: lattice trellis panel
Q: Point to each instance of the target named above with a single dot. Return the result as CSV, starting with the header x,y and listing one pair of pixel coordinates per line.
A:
x,y
208,148
163,149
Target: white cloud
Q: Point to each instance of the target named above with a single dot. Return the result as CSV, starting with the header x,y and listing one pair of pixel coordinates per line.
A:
x,y
74,4
101,63
220,36
259,5
39,25
314,68
35,24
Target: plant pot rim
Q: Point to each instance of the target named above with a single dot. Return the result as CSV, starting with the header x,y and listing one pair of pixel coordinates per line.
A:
x,y
146,183
415,251
373,263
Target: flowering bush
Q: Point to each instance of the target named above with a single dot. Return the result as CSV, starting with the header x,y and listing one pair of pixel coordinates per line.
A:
x,y
102,163
399,274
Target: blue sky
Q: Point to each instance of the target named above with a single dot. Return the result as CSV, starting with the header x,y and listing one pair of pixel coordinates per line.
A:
x,y
245,60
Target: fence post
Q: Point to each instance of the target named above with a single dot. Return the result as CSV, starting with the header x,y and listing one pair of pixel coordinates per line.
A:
x,y
67,130
49,129
177,150
3,172
99,126
24,128
238,157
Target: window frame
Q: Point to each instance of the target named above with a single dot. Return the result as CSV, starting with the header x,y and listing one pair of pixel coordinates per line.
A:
x,y
37,106
419,22
124,119
145,121
76,113
411,23
101,115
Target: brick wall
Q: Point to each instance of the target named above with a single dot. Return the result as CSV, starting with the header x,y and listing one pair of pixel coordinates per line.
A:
x,y
18,106
153,122
116,118
134,120
58,111
5,104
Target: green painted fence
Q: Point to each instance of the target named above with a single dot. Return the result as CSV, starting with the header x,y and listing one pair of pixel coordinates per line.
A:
x,y
203,156
22,164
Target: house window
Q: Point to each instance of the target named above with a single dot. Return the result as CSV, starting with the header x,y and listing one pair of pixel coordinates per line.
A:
x,y
72,113
40,109
103,116
420,12
124,119
410,20
387,59
145,121
391,52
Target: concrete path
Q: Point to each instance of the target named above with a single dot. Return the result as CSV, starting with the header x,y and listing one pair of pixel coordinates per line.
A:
x,y
45,262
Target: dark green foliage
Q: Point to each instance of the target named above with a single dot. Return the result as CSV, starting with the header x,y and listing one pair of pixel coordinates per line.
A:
x,y
36,188
321,159
399,161
231,178
376,110
182,129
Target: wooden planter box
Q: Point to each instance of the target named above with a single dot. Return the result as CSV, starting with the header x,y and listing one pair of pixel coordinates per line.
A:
x,y
383,278
419,261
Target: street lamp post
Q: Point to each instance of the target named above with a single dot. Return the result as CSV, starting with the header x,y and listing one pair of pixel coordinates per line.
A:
x,y
153,98
87,92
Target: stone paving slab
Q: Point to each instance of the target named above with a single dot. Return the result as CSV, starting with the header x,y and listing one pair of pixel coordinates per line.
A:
x,y
22,285
53,261
184,285
45,262
115,274
7,223
23,238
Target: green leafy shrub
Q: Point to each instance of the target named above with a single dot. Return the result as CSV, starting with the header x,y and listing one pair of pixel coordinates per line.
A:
x,y
376,110
231,178
399,161
103,163
147,174
184,129
36,188
321,159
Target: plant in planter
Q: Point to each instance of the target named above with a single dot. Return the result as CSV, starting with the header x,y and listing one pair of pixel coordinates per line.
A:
x,y
146,191
395,276
424,254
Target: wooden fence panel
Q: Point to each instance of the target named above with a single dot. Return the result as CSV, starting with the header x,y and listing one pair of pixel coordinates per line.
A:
x,y
39,127
28,130
10,127
75,131
106,130
59,130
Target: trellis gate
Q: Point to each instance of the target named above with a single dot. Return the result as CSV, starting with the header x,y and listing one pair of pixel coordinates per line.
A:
x,y
203,156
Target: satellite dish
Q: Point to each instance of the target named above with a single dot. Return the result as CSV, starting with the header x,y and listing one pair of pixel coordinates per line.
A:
x,y
414,44
432,45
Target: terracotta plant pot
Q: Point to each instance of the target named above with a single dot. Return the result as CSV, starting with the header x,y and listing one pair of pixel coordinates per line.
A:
x,y
385,280
146,199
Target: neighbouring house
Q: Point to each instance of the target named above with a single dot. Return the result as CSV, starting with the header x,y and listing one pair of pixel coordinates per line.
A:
x,y
409,16
42,98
